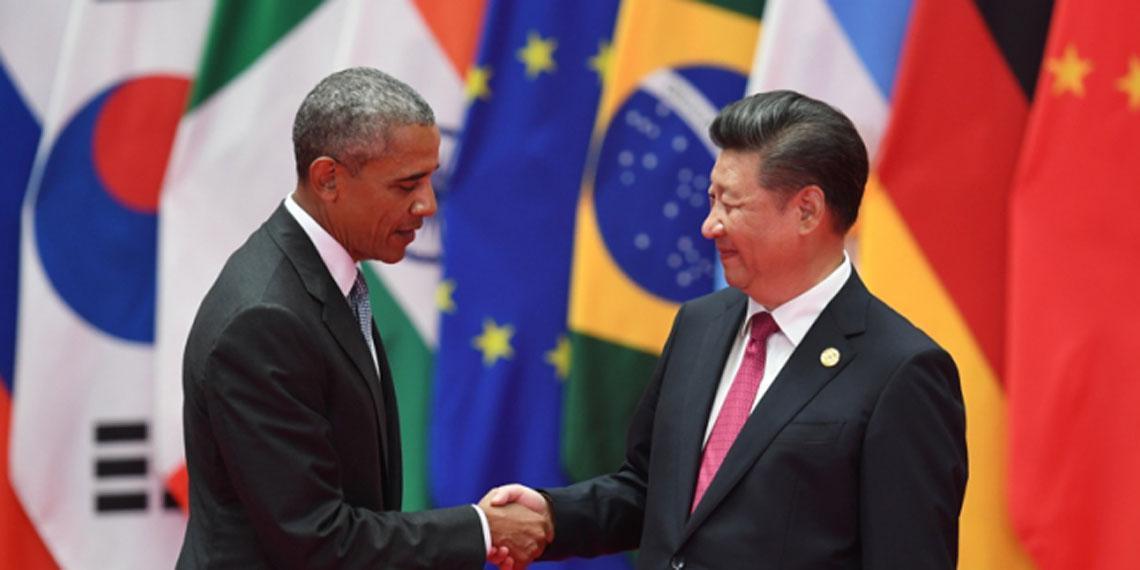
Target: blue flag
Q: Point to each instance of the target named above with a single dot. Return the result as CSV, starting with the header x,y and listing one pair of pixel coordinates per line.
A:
x,y
508,223
17,151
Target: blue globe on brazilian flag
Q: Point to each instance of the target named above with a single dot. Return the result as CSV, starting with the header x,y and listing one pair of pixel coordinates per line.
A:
x,y
638,251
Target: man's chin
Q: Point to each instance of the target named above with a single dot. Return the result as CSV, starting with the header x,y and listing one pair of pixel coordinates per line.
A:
x,y
391,256
735,278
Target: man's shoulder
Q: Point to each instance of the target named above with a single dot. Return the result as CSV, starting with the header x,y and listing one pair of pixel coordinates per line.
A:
x,y
257,273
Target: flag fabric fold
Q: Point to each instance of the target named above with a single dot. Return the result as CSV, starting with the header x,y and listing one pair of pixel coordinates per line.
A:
x,y
638,251
935,220
82,452
1074,322
508,220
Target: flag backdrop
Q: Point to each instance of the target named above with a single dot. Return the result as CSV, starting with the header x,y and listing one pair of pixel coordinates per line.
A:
x,y
638,252
1028,289
934,225
508,223
29,49
81,448
843,53
1074,318
232,167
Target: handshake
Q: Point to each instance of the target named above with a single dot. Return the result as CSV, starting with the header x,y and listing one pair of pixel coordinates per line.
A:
x,y
521,525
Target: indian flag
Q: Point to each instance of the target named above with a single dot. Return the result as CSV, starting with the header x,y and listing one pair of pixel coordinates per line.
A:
x,y
638,252
233,164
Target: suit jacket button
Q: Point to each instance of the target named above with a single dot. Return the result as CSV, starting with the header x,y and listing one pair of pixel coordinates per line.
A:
x,y
677,563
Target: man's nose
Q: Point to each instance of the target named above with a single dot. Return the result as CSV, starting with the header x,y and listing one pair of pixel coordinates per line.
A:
x,y
425,204
712,227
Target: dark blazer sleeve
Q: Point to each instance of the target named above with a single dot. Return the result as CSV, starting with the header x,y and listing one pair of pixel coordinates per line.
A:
x,y
605,514
264,399
913,467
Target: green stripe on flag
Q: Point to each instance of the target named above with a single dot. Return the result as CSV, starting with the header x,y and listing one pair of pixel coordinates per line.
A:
x,y
412,365
605,385
750,8
239,33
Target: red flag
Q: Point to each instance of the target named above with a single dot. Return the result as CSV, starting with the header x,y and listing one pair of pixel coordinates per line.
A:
x,y
934,230
1074,314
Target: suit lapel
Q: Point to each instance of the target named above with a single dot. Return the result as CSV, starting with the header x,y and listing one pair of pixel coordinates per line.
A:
x,y
701,390
336,314
394,482
802,377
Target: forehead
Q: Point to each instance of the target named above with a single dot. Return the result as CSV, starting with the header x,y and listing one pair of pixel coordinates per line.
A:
x,y
736,168
408,149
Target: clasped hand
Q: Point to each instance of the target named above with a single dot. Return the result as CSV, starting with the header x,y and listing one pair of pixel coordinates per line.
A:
x,y
520,523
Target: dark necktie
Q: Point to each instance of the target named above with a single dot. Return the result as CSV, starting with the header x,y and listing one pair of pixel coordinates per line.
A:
x,y
362,308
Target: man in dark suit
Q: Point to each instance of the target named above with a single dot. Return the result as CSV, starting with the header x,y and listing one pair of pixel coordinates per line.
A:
x,y
793,420
292,433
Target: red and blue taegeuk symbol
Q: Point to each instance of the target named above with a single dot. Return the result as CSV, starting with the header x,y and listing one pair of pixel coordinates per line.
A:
x,y
96,212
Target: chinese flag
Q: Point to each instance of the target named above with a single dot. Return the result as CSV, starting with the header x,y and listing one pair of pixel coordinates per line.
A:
x,y
1073,358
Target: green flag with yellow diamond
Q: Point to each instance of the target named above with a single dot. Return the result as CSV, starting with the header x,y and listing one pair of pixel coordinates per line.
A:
x,y
638,252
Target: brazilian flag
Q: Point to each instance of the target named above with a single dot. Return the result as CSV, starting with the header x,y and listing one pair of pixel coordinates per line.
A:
x,y
638,251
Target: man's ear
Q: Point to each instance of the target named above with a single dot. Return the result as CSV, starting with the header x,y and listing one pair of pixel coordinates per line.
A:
x,y
811,204
323,175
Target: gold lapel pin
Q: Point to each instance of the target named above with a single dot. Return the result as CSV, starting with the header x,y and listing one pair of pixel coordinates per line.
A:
x,y
829,357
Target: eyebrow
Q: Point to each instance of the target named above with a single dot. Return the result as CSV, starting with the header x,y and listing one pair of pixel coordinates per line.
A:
x,y
417,175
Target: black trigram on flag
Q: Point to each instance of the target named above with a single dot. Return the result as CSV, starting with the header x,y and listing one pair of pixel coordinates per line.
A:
x,y
122,468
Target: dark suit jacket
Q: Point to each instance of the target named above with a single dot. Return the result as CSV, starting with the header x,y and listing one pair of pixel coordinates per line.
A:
x,y
859,465
292,440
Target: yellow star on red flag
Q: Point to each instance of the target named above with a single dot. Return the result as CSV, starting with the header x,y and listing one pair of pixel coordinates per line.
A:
x,y
1069,72
1130,83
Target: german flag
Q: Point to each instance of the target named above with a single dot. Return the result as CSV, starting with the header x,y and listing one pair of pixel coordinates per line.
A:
x,y
936,220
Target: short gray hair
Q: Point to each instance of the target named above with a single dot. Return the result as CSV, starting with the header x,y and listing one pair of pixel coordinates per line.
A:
x,y
348,111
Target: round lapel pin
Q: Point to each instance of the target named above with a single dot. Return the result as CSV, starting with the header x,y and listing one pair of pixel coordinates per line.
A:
x,y
829,357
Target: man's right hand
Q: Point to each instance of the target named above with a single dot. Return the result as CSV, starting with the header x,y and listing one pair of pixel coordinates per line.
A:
x,y
520,521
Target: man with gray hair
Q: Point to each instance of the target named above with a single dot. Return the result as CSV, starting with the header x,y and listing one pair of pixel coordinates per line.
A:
x,y
291,427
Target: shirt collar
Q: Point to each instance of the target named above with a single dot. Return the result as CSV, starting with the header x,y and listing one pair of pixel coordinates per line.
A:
x,y
796,316
336,258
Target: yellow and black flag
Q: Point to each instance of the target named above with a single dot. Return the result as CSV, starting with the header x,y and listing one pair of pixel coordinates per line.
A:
x,y
935,220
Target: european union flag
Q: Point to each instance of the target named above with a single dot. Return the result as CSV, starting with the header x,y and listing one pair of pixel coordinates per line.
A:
x,y
508,235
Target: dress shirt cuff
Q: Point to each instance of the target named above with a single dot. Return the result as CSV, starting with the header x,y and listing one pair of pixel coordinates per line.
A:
x,y
486,529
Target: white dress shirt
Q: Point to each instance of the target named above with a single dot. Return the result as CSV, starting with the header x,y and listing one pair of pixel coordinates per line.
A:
x,y
343,270
794,318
